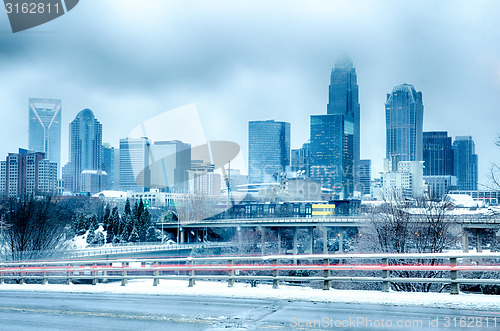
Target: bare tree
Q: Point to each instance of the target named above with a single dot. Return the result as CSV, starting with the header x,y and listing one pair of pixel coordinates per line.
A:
x,y
418,225
32,226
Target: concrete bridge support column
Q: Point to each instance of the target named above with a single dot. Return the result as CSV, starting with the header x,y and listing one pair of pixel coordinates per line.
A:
x,y
479,240
295,250
238,230
279,241
341,241
311,239
262,241
325,240
465,240
181,234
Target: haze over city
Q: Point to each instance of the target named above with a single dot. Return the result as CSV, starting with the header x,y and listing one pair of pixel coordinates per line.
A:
x,y
257,60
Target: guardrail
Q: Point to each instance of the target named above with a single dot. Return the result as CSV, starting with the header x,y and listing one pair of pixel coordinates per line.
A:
x,y
226,268
111,249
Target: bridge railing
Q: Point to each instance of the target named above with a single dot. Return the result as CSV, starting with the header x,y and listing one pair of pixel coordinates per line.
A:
x,y
263,269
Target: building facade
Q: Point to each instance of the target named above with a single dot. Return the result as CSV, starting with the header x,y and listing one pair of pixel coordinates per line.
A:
x,y
108,164
331,153
402,179
439,186
45,128
404,112
27,173
268,150
437,154
465,163
85,149
344,99
365,177
170,162
300,160
134,164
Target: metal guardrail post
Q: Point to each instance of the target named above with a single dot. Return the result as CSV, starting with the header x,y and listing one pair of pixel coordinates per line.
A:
x,y
275,274
21,274
230,281
45,281
68,281
105,273
191,274
386,285
327,284
94,274
124,274
156,273
454,286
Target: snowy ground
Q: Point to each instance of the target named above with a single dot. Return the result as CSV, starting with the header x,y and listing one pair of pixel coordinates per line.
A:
x,y
294,293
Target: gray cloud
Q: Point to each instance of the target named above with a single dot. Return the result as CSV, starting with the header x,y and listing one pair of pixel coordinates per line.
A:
x,y
249,60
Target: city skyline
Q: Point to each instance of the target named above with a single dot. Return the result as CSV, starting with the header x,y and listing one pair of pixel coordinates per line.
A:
x,y
241,78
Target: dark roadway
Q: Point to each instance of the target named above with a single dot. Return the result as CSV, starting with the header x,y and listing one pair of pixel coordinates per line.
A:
x,y
78,311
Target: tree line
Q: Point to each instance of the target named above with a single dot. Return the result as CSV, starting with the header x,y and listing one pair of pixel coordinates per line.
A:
x,y
133,225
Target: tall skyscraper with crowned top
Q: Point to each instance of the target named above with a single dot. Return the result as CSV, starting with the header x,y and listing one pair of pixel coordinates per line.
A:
x,y
45,128
85,149
344,100
404,115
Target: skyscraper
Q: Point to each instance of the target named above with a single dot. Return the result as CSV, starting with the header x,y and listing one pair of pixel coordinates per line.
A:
x,y
344,99
134,164
27,173
85,148
331,152
170,162
365,177
465,163
108,164
404,112
437,154
268,150
45,128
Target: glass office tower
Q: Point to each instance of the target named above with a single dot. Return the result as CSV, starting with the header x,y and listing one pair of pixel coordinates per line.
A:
x,y
332,152
465,163
344,99
85,148
437,154
45,128
268,150
404,113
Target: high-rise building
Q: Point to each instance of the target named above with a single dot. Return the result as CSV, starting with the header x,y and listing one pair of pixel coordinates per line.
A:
x,y
170,162
404,112
331,153
437,154
344,99
365,177
134,164
108,164
27,173
45,128
465,163
85,148
268,150
300,160
402,179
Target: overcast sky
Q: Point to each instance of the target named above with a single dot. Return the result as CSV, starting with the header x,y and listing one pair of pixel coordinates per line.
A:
x,y
254,60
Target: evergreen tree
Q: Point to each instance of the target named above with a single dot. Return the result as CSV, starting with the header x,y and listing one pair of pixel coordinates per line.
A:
x,y
91,233
107,219
134,235
115,225
127,207
144,224
98,239
153,235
